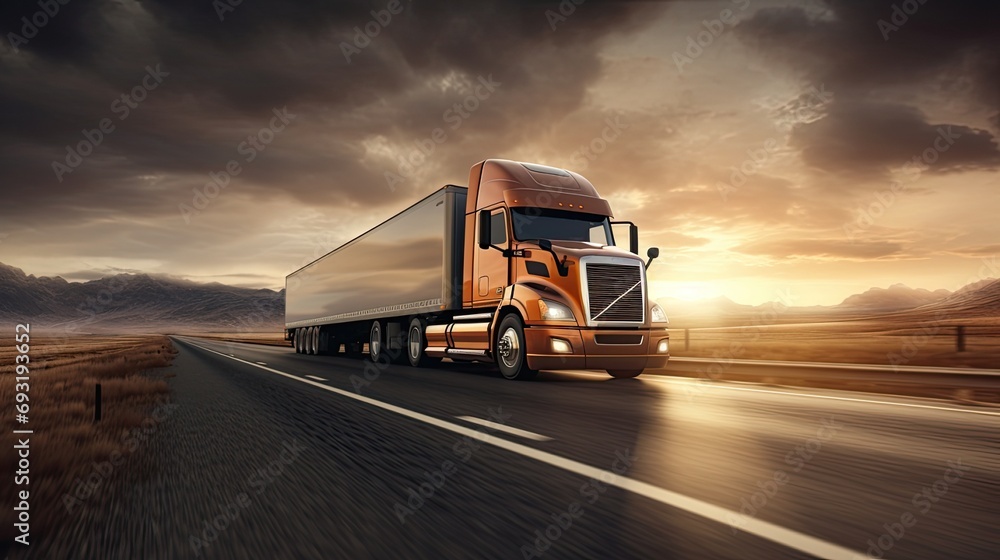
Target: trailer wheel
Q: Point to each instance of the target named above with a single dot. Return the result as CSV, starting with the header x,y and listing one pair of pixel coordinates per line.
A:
x,y
624,373
375,342
511,351
298,341
314,341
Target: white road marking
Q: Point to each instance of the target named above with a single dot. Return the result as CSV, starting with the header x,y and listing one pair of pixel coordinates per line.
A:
x,y
315,377
770,531
675,380
832,398
261,363
836,365
503,428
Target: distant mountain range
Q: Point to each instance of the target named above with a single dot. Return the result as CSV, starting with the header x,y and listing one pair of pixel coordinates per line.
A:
x,y
893,298
152,303
980,299
136,303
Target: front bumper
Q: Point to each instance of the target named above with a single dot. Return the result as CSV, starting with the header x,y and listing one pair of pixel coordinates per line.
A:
x,y
595,348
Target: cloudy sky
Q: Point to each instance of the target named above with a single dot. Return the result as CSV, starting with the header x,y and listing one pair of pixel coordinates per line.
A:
x,y
812,148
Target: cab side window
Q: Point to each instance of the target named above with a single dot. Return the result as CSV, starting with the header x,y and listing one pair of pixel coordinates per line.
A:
x,y
498,228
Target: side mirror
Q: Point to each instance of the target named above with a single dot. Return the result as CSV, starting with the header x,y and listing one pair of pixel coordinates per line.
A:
x,y
485,229
546,245
652,253
633,236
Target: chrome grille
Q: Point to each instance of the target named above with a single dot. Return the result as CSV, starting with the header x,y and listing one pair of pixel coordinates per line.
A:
x,y
615,293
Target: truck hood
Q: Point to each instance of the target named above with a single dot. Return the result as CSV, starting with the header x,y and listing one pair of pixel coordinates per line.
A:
x,y
576,249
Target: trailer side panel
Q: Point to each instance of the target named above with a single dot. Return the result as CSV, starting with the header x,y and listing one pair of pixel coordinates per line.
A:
x,y
401,267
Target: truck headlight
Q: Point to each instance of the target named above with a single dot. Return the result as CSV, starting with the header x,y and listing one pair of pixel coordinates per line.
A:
x,y
554,311
657,314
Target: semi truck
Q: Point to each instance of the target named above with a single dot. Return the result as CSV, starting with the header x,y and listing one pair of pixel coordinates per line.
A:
x,y
521,268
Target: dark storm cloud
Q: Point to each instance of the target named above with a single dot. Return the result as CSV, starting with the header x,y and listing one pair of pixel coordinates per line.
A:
x,y
52,29
224,78
864,52
860,138
844,46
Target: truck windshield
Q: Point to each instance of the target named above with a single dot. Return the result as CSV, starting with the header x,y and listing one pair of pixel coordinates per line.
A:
x,y
545,223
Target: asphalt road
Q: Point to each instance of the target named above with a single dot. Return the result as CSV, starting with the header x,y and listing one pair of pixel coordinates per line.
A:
x,y
294,456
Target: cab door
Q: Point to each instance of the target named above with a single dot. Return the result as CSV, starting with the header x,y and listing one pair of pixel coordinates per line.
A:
x,y
491,267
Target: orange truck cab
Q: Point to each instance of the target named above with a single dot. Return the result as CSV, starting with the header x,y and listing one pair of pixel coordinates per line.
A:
x,y
543,284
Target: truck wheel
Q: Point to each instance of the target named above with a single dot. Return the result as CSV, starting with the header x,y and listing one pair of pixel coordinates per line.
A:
x,y
375,342
624,373
298,341
511,352
416,343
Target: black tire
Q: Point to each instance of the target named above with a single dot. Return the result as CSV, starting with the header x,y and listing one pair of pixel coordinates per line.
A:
x,y
416,344
624,373
511,352
376,342
314,341
298,341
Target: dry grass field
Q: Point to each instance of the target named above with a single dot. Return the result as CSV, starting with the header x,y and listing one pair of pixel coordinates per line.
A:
x,y
67,443
265,338
920,343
